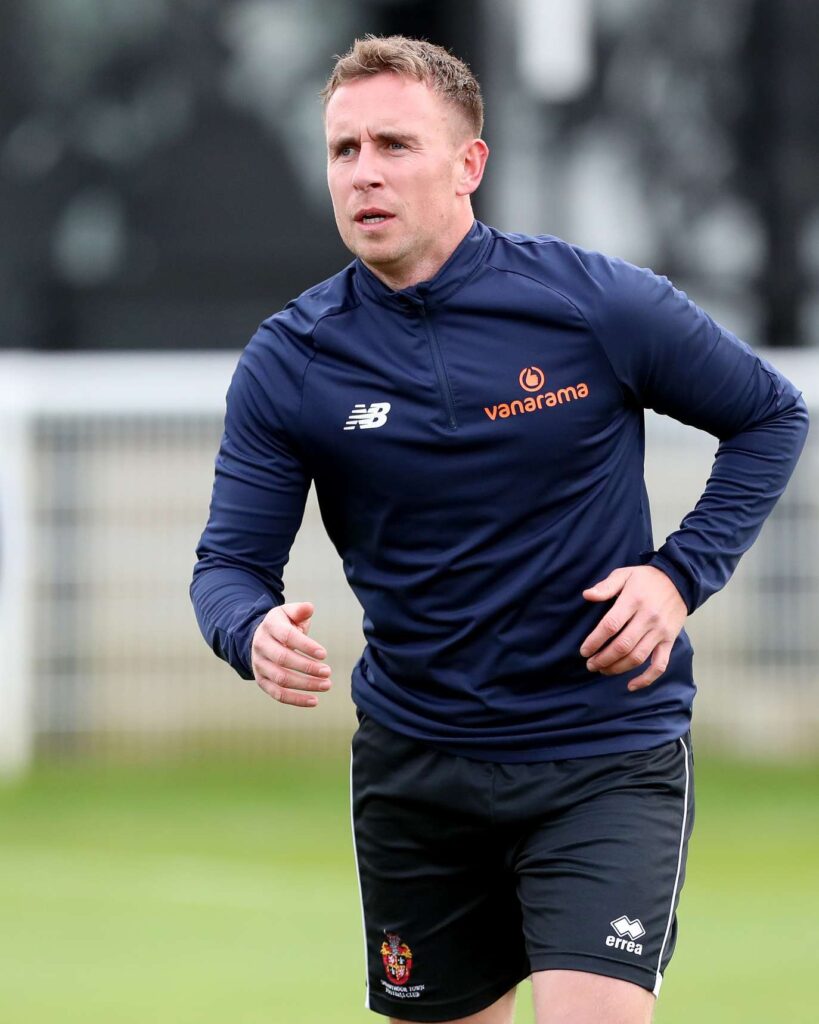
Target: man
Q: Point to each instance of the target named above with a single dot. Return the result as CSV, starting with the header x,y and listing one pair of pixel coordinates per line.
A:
x,y
470,407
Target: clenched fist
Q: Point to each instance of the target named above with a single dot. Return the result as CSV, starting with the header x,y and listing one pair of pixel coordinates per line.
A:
x,y
286,663
644,621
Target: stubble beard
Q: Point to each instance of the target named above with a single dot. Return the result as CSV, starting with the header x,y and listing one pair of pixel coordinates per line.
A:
x,y
380,256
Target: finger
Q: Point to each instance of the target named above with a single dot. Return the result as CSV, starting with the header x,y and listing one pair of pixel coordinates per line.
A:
x,y
615,620
288,634
278,676
608,588
283,657
298,611
631,658
286,696
300,614
659,663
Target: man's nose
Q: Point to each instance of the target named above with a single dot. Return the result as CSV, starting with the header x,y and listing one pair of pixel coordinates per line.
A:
x,y
368,172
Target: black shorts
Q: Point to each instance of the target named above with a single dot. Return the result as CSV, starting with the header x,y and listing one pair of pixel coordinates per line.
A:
x,y
475,874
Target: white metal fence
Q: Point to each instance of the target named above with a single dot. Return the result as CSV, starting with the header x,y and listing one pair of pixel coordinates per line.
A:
x,y
105,475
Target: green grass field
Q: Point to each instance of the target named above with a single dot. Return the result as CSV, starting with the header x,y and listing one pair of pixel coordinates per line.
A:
x,y
203,893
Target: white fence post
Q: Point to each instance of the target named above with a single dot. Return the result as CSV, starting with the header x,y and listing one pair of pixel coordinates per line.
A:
x,y
16,719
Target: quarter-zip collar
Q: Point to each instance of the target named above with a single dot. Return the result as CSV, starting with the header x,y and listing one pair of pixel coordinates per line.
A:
x,y
458,269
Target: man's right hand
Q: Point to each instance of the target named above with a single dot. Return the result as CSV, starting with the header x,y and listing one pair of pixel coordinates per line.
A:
x,y
286,663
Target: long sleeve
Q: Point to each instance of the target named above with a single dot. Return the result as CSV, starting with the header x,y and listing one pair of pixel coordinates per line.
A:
x,y
670,356
258,500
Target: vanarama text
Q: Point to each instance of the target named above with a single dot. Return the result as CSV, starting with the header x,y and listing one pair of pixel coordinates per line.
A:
x,y
532,403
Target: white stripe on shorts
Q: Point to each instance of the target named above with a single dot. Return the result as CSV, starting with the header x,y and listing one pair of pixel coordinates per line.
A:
x,y
360,894
659,978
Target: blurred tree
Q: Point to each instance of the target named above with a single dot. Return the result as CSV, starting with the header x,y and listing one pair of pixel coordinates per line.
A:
x,y
148,206
778,134
161,165
714,108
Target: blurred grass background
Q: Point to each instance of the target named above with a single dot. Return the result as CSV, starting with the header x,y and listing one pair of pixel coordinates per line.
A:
x,y
199,891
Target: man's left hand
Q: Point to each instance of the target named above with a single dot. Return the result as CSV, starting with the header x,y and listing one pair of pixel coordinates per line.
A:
x,y
643,623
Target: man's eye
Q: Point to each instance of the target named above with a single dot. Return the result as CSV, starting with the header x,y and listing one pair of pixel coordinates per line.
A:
x,y
345,151
397,145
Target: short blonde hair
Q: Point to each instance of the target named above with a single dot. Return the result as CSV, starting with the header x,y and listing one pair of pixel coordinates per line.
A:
x,y
416,58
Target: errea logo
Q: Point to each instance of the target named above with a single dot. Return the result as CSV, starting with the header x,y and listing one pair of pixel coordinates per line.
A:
x,y
367,417
627,932
532,379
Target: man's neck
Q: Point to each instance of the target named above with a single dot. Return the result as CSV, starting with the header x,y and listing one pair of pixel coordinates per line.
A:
x,y
424,269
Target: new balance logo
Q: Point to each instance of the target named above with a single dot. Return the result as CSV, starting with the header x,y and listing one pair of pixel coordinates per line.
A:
x,y
366,417
627,931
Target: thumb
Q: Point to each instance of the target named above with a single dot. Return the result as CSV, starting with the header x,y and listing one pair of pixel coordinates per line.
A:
x,y
609,587
300,613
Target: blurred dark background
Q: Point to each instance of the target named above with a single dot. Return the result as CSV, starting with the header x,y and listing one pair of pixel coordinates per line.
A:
x,y
162,170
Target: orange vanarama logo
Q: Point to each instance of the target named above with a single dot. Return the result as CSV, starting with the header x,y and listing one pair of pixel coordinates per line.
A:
x,y
531,379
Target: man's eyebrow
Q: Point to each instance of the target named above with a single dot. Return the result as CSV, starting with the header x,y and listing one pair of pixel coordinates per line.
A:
x,y
386,135
340,142
396,135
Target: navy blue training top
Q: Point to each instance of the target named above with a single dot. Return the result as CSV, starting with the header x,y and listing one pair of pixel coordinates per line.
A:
x,y
476,442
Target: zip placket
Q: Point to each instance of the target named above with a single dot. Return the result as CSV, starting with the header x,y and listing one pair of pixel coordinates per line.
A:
x,y
440,369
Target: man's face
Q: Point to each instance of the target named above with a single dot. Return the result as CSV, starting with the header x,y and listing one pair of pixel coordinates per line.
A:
x,y
394,165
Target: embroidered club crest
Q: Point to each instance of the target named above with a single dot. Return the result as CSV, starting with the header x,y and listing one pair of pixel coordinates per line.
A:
x,y
397,958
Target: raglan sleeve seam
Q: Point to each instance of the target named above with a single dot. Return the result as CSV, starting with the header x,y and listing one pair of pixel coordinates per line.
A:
x,y
592,330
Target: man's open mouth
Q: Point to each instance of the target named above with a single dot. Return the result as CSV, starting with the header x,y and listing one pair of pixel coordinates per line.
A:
x,y
373,216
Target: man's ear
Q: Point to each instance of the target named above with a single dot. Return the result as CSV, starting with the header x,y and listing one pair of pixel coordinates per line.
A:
x,y
472,164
